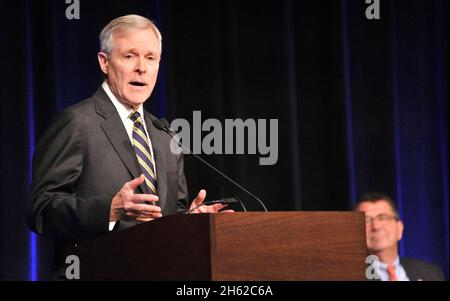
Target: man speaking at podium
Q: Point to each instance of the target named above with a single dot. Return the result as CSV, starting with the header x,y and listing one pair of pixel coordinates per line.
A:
x,y
102,165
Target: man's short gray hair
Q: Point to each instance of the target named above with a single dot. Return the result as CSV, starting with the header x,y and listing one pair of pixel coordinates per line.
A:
x,y
128,22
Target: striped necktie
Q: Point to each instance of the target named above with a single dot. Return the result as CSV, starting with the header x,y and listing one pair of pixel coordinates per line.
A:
x,y
143,153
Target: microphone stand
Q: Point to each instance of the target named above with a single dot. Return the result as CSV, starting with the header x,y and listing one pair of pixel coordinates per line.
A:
x,y
163,124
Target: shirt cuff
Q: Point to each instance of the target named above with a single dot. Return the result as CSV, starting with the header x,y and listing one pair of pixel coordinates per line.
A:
x,y
111,225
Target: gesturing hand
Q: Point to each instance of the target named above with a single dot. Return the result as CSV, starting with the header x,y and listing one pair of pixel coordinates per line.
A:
x,y
197,202
126,205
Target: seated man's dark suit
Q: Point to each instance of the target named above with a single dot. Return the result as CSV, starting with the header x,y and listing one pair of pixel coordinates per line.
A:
x,y
83,160
417,270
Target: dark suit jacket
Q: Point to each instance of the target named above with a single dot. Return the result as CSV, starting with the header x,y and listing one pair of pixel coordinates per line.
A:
x,y
419,270
83,160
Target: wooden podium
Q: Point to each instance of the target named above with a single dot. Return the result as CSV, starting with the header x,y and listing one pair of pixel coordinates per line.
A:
x,y
231,246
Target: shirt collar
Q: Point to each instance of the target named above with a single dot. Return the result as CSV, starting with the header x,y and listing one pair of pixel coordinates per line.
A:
x,y
384,266
123,109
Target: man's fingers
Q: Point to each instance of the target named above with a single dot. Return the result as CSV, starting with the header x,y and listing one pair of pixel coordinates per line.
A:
x,y
211,209
145,208
144,219
200,198
142,214
142,198
135,183
215,207
136,209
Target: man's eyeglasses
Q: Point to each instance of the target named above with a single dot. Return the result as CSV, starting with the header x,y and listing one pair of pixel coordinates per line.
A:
x,y
380,218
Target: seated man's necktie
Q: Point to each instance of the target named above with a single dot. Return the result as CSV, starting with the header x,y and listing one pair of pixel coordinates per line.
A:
x,y
391,273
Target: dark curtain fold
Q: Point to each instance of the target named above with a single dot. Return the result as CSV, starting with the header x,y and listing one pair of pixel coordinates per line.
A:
x,y
361,104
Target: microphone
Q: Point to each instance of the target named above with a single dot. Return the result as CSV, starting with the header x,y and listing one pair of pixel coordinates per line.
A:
x,y
163,125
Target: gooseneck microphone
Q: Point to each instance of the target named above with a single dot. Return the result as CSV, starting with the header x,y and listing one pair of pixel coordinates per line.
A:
x,y
163,125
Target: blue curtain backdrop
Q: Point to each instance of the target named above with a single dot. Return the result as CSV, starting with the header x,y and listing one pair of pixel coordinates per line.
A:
x,y
362,104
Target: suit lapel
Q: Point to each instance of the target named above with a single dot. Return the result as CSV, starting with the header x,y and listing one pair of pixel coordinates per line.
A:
x,y
410,271
115,131
158,151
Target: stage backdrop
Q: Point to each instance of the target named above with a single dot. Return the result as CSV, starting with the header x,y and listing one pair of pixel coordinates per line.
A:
x,y
362,104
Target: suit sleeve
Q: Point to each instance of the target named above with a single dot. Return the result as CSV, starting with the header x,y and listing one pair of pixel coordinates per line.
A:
x,y
439,274
54,208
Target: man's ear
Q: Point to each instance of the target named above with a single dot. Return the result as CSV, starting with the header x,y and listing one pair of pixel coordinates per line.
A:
x,y
103,62
400,228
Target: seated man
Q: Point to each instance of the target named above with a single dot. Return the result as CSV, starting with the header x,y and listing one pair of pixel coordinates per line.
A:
x,y
384,230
